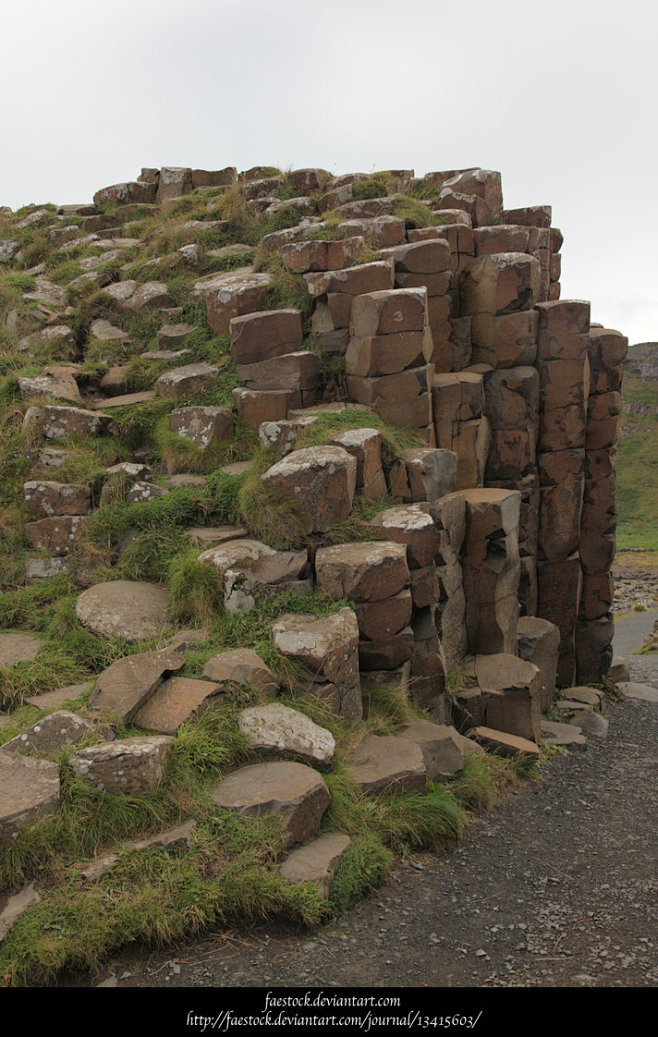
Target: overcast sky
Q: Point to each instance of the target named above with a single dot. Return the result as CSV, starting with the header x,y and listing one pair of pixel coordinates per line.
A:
x,y
560,96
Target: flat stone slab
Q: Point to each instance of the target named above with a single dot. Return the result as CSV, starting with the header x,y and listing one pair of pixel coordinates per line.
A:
x,y
174,702
29,789
563,734
130,766
588,696
385,763
643,692
18,648
129,400
14,907
619,671
213,536
128,609
317,861
293,792
50,734
280,729
127,684
592,724
441,746
57,698
242,666
502,743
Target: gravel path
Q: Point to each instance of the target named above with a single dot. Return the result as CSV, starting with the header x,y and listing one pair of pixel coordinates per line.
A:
x,y
556,887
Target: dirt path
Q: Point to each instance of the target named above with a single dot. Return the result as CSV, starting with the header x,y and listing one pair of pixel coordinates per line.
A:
x,y
555,888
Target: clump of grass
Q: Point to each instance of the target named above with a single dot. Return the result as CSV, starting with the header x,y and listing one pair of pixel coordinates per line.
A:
x,y
485,777
195,591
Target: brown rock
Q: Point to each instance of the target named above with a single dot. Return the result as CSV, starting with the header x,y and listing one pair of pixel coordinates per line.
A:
x,y
132,766
29,789
511,692
388,312
412,526
128,683
174,702
46,499
127,609
18,648
203,425
500,284
255,407
362,572
242,666
386,764
293,792
260,336
190,380
504,744
387,652
354,280
50,734
278,728
316,862
233,294
321,481
294,372
57,534
539,643
442,749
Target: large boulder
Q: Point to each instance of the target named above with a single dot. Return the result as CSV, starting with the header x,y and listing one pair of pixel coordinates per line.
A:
x,y
278,728
131,766
320,481
293,792
131,610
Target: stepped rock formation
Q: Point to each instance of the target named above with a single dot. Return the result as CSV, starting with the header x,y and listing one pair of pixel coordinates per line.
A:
x,y
437,431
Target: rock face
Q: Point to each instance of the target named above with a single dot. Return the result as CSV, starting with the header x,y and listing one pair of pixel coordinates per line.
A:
x,y
50,734
293,792
130,610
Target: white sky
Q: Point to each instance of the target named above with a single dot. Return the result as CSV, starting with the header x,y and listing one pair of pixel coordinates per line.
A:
x,y
560,96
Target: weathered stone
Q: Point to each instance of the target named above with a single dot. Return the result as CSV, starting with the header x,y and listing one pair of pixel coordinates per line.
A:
x,y
264,335
255,406
321,481
388,354
414,527
562,327
389,312
505,341
559,587
365,444
144,490
127,609
491,569
386,764
294,372
203,425
59,423
46,499
380,619
233,294
17,903
135,192
592,725
131,766
440,745
128,683
500,284
174,702
59,698
18,648
562,734
186,381
328,648
251,580
293,792
511,690
539,643
173,182
57,339
317,861
353,280
50,734
387,652
431,472
56,382
363,571
504,744
304,256
619,671
29,789
57,534
641,692
382,231
212,536
242,666
278,728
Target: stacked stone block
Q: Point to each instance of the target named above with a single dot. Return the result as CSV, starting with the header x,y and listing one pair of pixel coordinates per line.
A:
x,y
388,360
460,423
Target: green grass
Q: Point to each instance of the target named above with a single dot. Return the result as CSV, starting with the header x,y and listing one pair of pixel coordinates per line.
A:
x,y
637,468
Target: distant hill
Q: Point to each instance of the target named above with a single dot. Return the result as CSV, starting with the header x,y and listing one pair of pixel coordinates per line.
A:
x,y
637,450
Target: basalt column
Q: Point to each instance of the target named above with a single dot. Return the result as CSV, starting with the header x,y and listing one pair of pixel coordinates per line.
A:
x,y
563,365
606,350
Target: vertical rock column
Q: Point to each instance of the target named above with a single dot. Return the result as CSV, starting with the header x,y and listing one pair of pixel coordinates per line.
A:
x,y
490,561
512,408
564,374
606,350
388,358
